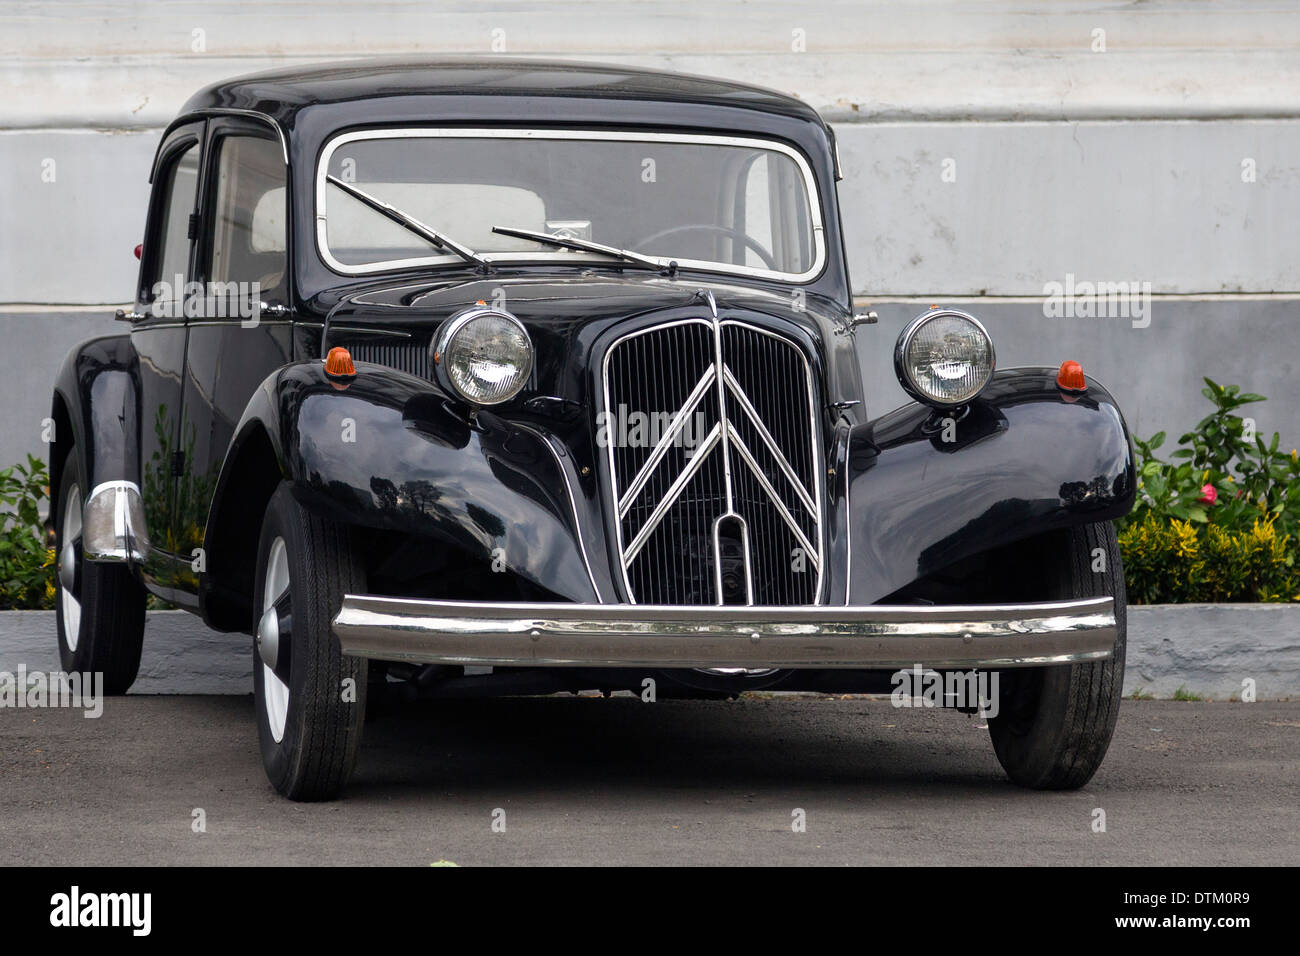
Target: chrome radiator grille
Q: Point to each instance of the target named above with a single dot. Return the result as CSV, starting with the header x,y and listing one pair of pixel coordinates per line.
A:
x,y
711,436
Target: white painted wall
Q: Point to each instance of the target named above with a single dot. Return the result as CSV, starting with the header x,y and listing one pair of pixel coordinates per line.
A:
x,y
70,62
1155,201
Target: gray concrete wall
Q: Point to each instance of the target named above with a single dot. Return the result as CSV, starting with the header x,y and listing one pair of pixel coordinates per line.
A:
x,y
1154,372
989,149
181,656
1212,650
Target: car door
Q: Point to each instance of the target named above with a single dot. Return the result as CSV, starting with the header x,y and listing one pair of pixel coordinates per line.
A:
x,y
158,337
243,331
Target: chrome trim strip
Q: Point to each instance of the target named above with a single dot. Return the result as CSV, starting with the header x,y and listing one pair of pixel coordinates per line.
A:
x,y
674,492
207,324
709,298
815,436
722,419
814,197
717,556
208,112
609,445
807,637
364,330
772,493
573,501
768,440
666,441
848,523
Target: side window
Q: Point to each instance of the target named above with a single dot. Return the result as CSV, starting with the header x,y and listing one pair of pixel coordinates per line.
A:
x,y
166,290
247,250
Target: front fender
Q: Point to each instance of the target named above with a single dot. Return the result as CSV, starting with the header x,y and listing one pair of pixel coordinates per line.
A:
x,y
926,489
389,452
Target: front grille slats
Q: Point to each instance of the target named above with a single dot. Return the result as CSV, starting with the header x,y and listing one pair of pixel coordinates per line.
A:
x,y
403,355
771,541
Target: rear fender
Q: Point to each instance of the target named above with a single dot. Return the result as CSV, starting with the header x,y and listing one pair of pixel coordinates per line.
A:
x,y
96,406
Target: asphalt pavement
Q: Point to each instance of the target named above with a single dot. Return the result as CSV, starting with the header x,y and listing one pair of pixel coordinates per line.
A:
x,y
564,780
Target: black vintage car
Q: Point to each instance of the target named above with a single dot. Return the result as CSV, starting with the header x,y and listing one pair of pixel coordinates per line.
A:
x,y
514,377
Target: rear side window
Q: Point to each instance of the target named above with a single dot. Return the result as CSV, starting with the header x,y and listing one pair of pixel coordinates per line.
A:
x,y
247,249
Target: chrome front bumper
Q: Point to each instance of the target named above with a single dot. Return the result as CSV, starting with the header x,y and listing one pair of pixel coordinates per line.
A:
x,y
647,636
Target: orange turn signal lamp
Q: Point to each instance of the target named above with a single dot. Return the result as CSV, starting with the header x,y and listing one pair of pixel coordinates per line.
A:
x,y
1070,377
338,365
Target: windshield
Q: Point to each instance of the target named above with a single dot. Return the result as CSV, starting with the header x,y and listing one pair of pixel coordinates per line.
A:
x,y
717,203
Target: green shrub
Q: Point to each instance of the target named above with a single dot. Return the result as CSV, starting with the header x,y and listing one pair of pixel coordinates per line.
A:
x,y
1250,478
26,564
1171,561
1220,521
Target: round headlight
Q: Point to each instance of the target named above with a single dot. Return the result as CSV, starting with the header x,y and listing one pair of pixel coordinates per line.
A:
x,y
485,355
944,357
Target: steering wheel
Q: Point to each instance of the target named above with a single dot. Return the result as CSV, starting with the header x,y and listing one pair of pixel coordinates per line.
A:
x,y
748,241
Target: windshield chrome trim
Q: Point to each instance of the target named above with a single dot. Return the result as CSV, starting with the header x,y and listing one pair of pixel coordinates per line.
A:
x,y
701,265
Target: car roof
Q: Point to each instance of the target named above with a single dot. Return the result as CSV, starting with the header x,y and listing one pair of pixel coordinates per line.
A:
x,y
281,93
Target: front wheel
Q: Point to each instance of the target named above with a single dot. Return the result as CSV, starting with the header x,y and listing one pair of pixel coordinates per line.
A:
x,y
310,699
1054,724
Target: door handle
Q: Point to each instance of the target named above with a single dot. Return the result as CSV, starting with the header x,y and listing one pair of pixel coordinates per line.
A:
x,y
133,316
275,311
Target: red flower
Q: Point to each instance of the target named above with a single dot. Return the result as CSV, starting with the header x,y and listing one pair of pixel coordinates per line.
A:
x,y
1208,495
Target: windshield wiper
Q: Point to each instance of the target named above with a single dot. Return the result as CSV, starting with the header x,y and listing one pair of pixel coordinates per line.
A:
x,y
430,235
586,245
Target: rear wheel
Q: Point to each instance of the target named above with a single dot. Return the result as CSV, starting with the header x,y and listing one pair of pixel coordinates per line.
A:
x,y
311,700
99,606
1054,724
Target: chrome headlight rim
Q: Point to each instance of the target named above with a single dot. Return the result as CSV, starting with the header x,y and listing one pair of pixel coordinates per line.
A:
x,y
442,340
905,341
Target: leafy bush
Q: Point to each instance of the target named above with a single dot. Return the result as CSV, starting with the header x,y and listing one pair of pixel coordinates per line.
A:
x,y
1220,520
1250,478
1168,560
26,564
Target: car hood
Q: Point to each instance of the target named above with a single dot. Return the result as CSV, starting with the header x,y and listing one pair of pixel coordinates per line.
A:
x,y
566,316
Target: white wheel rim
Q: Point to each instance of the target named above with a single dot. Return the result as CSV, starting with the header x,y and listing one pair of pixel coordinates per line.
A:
x,y
71,531
275,692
